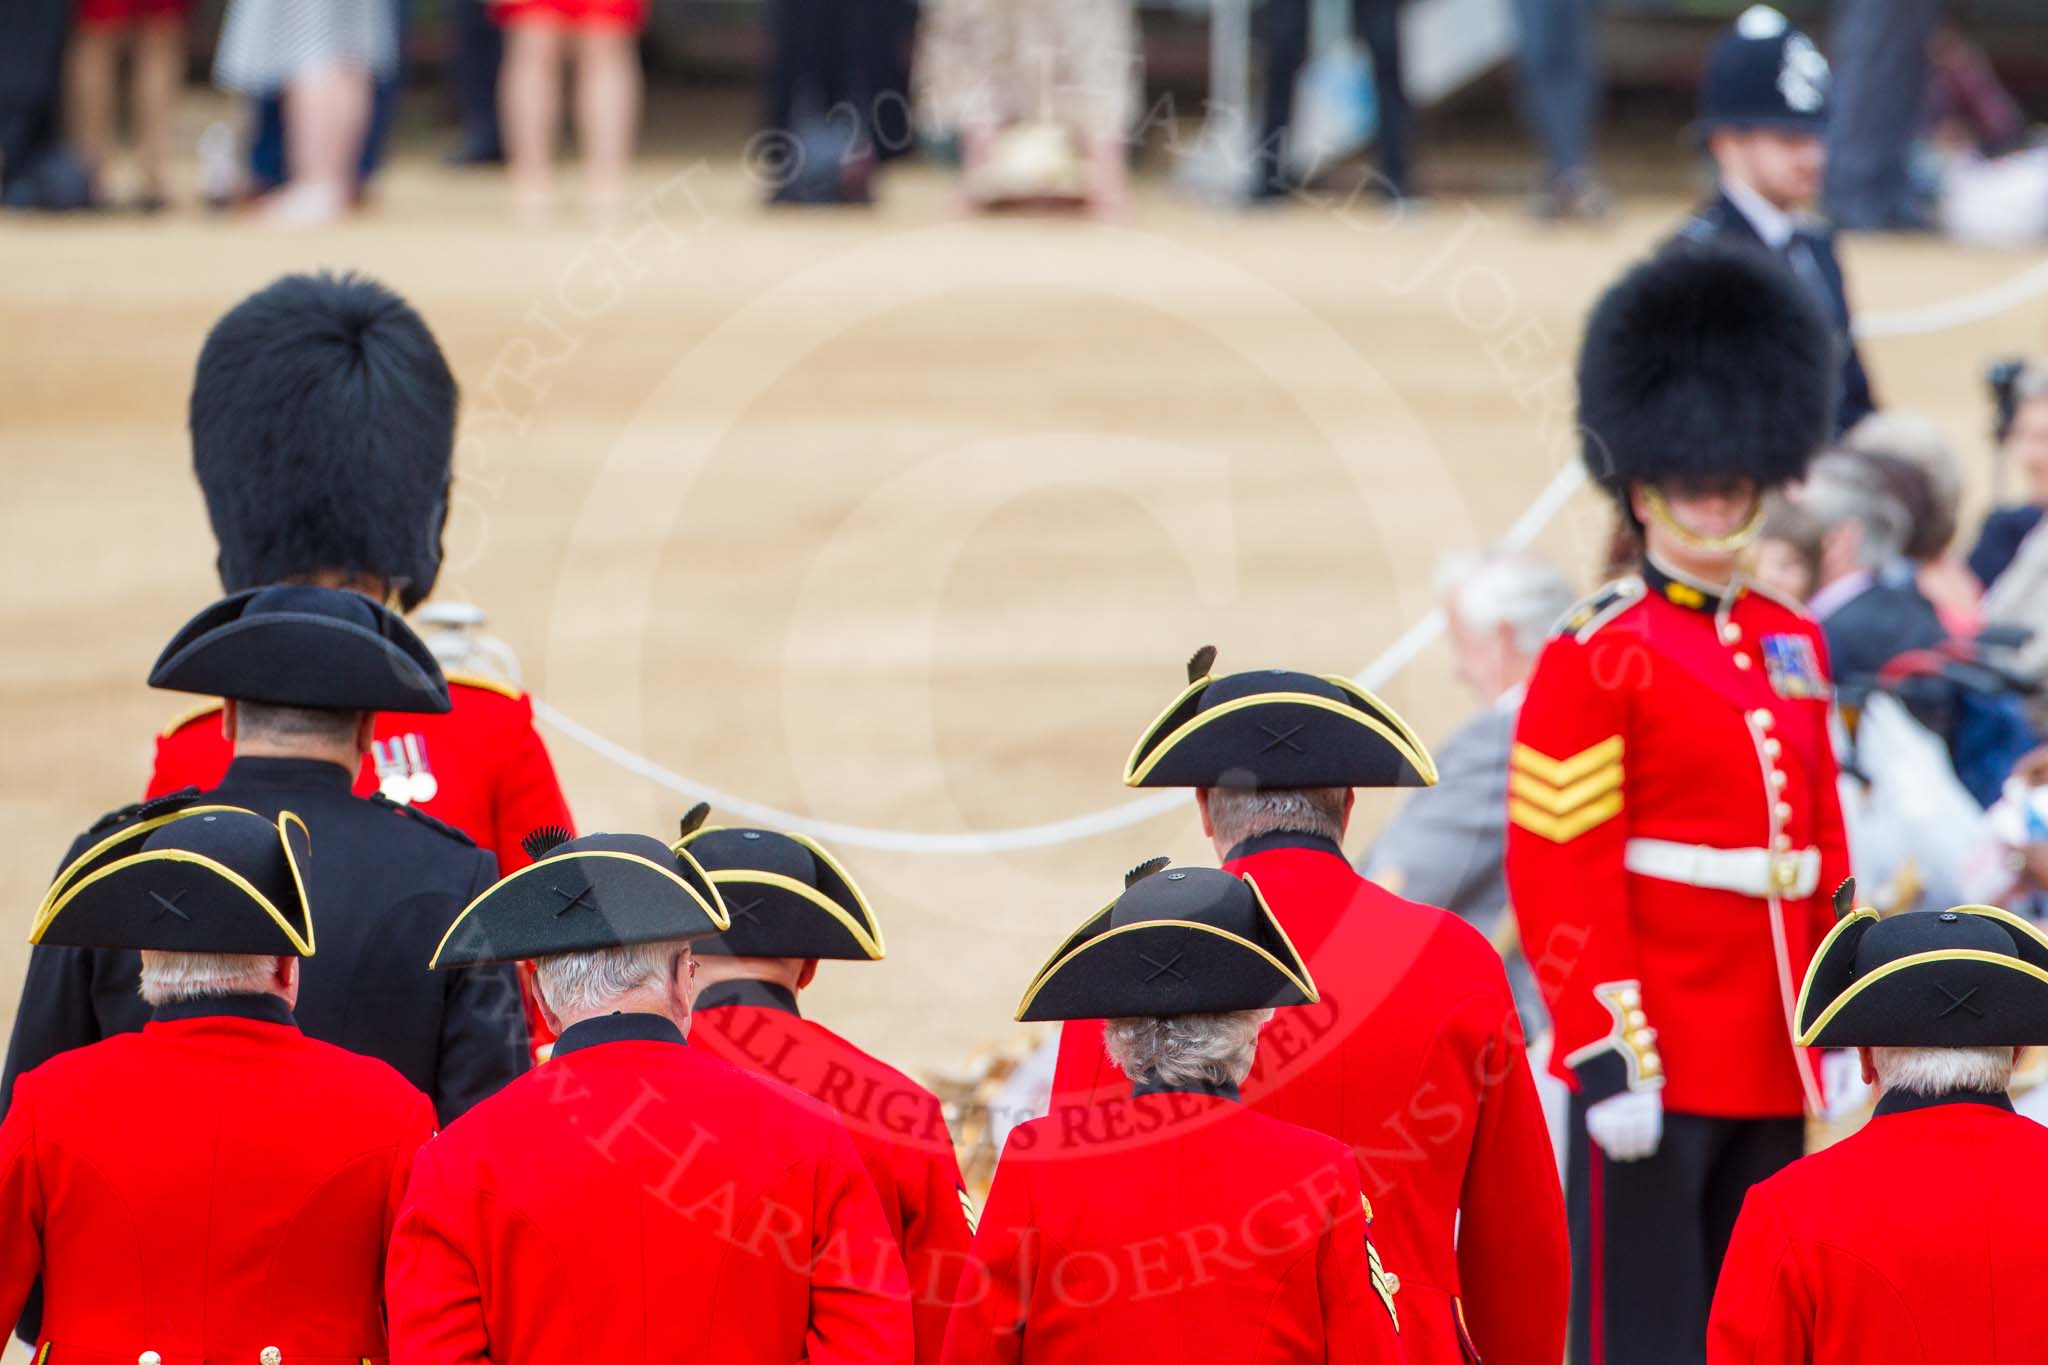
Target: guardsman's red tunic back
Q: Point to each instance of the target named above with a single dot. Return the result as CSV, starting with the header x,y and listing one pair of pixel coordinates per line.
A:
x,y
1175,1228
214,1188
1917,1241
633,1201
896,1124
1414,1057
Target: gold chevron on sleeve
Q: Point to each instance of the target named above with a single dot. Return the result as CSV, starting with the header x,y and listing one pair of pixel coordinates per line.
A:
x,y
1562,772
1561,798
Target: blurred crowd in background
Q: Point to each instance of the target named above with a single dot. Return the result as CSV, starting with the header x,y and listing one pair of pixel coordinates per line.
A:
x,y
1042,102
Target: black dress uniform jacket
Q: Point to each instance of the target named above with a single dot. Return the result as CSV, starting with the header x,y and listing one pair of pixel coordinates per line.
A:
x,y
1720,221
384,884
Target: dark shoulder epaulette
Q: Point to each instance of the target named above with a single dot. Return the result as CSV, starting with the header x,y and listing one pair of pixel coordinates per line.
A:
x,y
1610,601
440,826
145,810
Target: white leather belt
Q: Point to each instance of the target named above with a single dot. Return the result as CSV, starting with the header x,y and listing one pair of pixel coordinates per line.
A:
x,y
1754,872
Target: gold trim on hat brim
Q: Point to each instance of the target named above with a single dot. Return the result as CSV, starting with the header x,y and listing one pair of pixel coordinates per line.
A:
x,y
716,913
1307,989
1144,740
179,855
139,828
810,895
1425,762
1842,1001
1419,761
1865,915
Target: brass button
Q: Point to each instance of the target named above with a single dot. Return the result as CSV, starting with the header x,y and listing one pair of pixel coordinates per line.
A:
x,y
1782,811
1637,1019
1782,842
149,1358
1730,632
1778,780
1631,998
1741,660
1761,718
270,1355
1393,1282
1650,1062
1773,748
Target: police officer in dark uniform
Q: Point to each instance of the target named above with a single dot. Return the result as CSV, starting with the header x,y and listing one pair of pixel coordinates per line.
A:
x,y
1763,113
304,669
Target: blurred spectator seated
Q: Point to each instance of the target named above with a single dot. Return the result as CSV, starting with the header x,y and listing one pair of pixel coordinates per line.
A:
x,y
1445,845
2020,393
1867,602
1920,470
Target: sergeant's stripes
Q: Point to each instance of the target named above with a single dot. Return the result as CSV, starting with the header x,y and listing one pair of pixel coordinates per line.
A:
x,y
1561,798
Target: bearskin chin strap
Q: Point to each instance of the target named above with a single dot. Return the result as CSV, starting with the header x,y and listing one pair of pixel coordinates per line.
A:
x,y
1737,539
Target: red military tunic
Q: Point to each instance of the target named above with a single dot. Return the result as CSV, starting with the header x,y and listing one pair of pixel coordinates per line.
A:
x,y
210,1187
1917,1241
1175,1228
896,1124
1663,748
1414,1056
487,771
637,1200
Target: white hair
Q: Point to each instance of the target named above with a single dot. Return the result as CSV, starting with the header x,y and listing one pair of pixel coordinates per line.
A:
x,y
577,985
1237,814
169,977
1841,488
1939,1070
1186,1048
1915,437
1493,588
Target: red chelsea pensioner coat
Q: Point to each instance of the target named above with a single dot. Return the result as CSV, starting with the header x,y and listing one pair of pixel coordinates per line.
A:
x,y
897,1126
1187,1230
216,1188
1414,1057
633,1201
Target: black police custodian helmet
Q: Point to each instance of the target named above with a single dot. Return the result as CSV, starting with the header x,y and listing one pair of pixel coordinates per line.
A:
x,y
323,429
184,875
1189,940
581,895
786,895
1274,729
1974,976
297,645
1704,361
1763,73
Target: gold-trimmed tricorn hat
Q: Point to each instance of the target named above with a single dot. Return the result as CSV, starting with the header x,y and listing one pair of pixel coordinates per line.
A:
x,y
1972,976
1185,940
583,895
786,895
183,875
1275,728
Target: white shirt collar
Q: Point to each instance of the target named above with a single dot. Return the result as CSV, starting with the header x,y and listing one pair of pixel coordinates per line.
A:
x,y
1772,223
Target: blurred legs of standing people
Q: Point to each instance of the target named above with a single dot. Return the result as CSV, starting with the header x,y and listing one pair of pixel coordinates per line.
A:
x,y
1559,87
1285,32
153,31
479,49
323,59
269,164
541,37
820,93
1880,66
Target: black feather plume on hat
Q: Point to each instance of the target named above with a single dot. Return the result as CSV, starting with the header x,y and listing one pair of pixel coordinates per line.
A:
x,y
1200,662
1144,870
540,842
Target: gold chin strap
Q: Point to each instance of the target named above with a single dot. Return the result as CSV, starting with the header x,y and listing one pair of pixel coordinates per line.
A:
x,y
1737,539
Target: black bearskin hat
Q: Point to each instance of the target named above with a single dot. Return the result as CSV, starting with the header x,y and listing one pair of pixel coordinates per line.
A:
x,y
323,428
1704,361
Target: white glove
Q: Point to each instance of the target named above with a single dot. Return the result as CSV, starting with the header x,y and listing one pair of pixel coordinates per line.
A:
x,y
1628,1126
1841,1079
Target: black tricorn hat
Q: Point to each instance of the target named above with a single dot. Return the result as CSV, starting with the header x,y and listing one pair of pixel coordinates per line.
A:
x,y
1190,940
322,419
1275,729
786,895
186,876
1763,73
582,895
297,645
1974,976
1704,361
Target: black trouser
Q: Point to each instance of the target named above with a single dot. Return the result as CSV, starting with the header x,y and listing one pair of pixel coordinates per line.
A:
x,y
479,51
821,60
1648,1236
1284,25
